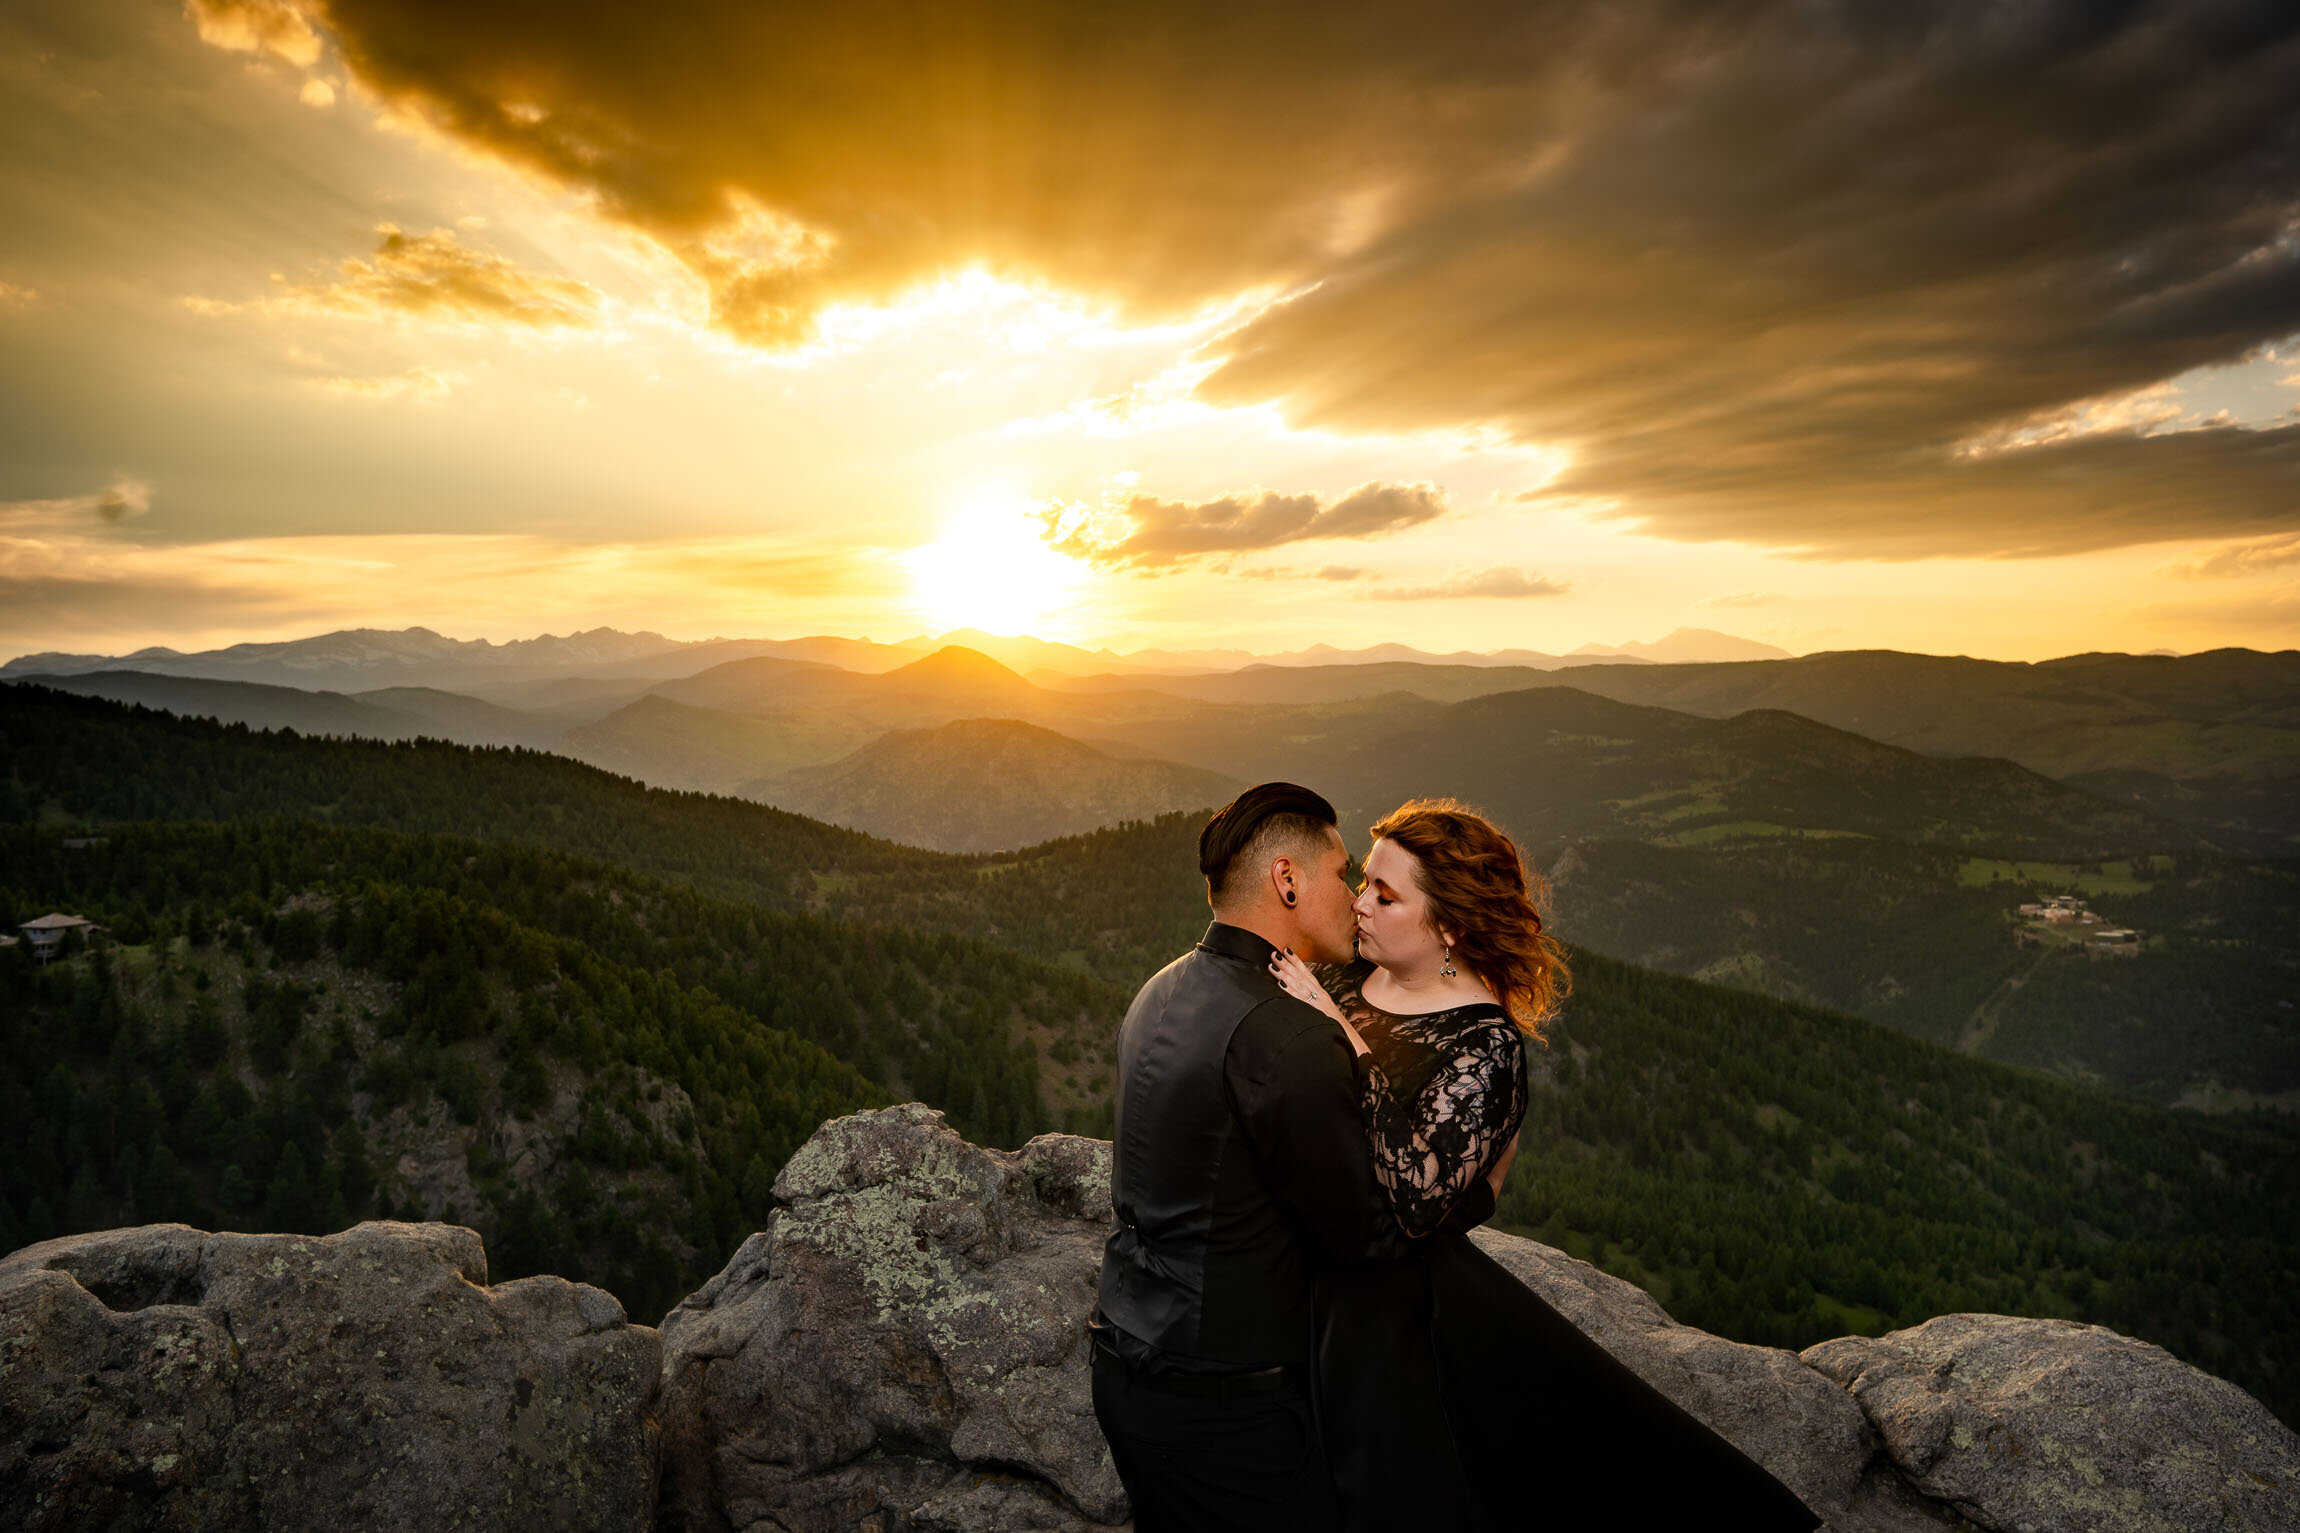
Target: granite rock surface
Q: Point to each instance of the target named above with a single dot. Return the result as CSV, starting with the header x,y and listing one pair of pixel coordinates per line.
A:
x,y
905,1341
165,1378
902,1350
2048,1426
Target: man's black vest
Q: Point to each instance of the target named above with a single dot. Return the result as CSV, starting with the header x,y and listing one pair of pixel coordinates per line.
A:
x,y
1204,1261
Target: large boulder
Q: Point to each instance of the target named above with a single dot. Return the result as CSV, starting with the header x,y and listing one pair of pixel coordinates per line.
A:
x,y
2048,1426
901,1350
902,1347
1803,1428
166,1378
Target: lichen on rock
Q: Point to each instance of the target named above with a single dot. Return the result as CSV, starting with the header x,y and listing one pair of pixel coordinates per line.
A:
x,y
912,1294
2050,1426
164,1377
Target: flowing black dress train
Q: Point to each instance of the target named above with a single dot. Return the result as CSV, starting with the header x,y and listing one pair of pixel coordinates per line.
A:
x,y
1451,1395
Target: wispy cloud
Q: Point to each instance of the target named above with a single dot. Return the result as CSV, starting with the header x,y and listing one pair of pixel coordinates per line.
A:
x,y
73,582
2239,559
419,385
1147,532
1503,582
123,498
433,277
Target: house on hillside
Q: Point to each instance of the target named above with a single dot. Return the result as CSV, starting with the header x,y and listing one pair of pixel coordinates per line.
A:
x,y
2063,921
47,933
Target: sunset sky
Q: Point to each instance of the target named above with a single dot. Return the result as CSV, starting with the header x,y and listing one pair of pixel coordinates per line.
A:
x,y
1964,328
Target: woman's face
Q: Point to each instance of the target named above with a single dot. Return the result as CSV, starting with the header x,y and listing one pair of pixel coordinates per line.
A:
x,y
1393,913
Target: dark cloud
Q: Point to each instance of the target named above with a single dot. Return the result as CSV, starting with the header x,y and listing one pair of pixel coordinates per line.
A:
x,y
1163,532
1496,582
1767,267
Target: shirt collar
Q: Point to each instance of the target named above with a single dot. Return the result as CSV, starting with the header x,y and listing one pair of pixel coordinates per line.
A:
x,y
1237,942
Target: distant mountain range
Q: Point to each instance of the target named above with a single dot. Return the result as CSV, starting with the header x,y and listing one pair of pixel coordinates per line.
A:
x,y
984,785
1687,646
347,657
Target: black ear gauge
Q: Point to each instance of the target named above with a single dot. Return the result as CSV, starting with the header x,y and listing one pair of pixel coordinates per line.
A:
x,y
1289,896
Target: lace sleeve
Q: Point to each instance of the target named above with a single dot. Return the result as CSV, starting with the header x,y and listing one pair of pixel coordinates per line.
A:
x,y
1427,1152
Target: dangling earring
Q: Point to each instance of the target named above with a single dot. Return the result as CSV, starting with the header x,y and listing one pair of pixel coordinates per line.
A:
x,y
1448,970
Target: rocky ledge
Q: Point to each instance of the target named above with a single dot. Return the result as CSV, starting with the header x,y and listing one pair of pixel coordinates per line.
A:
x,y
901,1349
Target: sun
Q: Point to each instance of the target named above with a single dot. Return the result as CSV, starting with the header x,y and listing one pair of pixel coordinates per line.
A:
x,y
991,569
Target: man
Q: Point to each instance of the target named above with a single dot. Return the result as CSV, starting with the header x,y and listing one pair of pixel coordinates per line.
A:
x,y
1241,1167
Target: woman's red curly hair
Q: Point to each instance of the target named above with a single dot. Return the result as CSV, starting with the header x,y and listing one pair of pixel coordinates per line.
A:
x,y
1481,890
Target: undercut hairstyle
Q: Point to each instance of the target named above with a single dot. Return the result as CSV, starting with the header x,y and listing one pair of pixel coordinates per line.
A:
x,y
1272,819
1481,890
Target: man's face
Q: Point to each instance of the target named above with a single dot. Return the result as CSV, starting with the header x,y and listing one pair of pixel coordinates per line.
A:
x,y
1328,924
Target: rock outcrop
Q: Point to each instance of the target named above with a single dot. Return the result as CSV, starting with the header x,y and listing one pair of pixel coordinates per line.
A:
x,y
903,1342
902,1350
165,1378
2048,1426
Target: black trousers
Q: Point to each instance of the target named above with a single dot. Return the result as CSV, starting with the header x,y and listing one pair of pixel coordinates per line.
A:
x,y
1249,1462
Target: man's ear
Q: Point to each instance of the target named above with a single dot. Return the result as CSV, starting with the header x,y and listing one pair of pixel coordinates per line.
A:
x,y
1282,879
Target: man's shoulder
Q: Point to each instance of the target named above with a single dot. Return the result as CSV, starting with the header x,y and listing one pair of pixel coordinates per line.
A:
x,y
1200,969
1275,1025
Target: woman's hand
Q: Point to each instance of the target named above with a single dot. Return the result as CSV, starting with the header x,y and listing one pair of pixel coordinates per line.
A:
x,y
1294,977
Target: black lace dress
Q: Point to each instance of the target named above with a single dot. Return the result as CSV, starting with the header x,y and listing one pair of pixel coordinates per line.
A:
x,y
1450,1395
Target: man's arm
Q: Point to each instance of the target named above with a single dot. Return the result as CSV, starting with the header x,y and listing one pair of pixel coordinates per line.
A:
x,y
1299,1098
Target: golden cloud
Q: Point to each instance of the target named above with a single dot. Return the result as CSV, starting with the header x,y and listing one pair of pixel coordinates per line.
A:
x,y
2240,559
430,276
256,26
422,385
1766,268
116,502
1503,582
1148,532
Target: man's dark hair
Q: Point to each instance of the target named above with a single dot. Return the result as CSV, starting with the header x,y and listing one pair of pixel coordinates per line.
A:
x,y
1253,826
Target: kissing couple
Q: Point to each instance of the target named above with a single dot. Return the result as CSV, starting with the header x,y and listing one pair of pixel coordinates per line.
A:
x,y
1294,1330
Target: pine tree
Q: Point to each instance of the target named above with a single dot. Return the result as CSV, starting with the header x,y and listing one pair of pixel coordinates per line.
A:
x,y
233,1189
289,1204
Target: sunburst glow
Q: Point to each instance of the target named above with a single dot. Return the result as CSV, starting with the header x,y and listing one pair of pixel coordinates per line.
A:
x,y
992,570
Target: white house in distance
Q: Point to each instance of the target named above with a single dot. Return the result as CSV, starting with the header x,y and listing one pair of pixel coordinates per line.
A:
x,y
47,934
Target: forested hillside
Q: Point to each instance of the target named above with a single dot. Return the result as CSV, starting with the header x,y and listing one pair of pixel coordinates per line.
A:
x,y
1920,937
83,758
428,1003
1782,1174
1923,938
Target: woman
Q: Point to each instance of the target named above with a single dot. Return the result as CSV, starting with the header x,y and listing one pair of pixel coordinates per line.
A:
x,y
1452,1396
